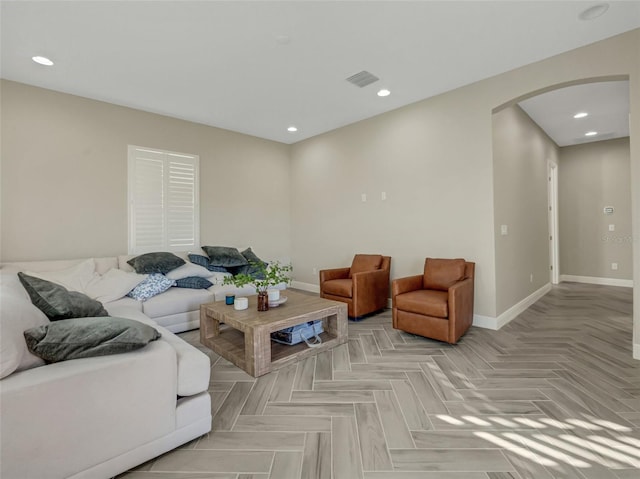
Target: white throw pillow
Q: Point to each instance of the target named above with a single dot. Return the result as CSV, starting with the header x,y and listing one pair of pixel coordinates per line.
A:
x,y
17,314
188,270
113,285
75,278
218,278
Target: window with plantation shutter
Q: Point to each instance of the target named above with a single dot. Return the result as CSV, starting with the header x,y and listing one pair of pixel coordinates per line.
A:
x,y
163,201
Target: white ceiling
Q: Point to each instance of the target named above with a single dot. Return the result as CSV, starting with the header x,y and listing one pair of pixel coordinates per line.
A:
x,y
607,105
226,64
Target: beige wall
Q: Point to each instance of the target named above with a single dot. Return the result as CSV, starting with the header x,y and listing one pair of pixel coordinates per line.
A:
x,y
438,203
521,152
434,159
64,177
590,177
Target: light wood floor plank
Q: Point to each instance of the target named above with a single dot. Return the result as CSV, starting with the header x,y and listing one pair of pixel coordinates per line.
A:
x,y
373,446
347,463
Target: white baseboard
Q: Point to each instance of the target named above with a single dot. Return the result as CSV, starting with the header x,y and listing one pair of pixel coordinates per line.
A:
x,y
312,288
636,351
625,283
485,322
510,314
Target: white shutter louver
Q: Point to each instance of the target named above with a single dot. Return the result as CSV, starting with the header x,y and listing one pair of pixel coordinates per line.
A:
x,y
163,201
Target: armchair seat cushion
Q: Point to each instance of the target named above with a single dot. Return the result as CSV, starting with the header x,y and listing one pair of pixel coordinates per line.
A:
x,y
426,302
339,287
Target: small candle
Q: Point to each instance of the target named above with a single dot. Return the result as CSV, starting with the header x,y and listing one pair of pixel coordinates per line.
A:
x,y
229,298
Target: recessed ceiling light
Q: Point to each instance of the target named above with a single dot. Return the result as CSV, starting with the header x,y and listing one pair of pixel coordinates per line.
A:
x,y
591,133
42,61
594,12
292,129
582,114
384,92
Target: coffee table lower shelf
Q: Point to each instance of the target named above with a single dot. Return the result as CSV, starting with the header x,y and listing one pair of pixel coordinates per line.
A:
x,y
230,344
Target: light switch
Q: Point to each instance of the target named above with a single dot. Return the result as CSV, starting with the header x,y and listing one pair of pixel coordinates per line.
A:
x,y
383,196
364,197
504,230
614,266
612,227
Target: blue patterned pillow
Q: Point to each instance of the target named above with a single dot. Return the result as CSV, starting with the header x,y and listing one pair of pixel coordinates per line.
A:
x,y
194,282
155,283
201,260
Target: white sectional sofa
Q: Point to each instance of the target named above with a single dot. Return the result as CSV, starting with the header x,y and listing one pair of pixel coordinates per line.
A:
x,y
97,417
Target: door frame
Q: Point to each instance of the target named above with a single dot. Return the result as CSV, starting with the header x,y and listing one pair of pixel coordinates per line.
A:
x,y
554,233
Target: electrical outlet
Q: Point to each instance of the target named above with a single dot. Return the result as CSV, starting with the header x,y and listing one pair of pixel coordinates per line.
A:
x,y
315,270
383,196
504,230
612,227
531,278
614,266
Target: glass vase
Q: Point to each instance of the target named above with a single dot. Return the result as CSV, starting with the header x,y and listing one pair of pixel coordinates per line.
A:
x,y
263,301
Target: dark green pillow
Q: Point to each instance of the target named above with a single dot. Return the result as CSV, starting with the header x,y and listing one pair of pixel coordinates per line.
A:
x,y
224,256
59,303
155,263
253,268
194,282
87,337
251,257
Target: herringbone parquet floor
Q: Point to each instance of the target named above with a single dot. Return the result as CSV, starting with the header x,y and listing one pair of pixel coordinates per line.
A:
x,y
555,393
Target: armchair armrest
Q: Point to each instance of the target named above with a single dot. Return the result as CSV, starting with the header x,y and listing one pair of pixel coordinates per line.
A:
x,y
460,306
404,285
377,280
335,273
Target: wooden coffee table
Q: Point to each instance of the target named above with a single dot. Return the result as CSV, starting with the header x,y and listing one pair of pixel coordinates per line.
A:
x,y
245,337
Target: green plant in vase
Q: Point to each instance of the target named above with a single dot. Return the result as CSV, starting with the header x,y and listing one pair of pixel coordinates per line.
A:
x,y
262,276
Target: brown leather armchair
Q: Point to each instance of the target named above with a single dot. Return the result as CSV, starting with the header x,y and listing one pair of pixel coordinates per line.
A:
x,y
437,304
364,286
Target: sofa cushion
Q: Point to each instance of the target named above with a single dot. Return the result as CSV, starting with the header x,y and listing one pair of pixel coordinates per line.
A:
x,y
441,274
176,300
58,303
224,256
74,278
193,282
88,337
365,262
189,270
339,287
17,314
426,302
161,262
153,285
113,285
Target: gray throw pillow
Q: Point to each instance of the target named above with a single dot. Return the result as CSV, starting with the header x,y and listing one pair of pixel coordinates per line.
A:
x,y
155,263
224,256
59,303
87,337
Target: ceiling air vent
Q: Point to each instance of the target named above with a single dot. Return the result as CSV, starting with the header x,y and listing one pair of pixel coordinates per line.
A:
x,y
363,79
